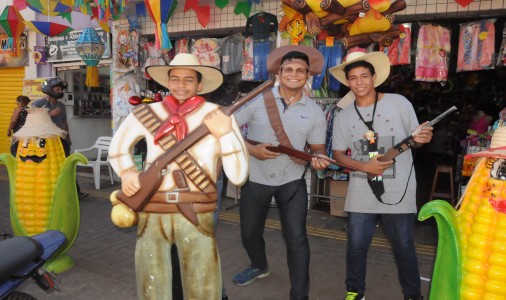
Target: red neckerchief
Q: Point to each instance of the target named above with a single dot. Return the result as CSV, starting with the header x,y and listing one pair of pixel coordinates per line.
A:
x,y
177,113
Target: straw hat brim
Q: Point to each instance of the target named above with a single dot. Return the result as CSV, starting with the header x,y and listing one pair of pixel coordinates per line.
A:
x,y
38,124
497,145
379,60
492,152
315,58
212,78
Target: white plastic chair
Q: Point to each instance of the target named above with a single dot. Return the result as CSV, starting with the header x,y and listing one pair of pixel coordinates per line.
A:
x,y
102,148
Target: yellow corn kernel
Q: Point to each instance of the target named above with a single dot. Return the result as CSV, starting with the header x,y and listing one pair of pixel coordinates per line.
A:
x,y
36,183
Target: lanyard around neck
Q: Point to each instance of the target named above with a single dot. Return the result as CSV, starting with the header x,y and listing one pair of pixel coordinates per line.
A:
x,y
370,123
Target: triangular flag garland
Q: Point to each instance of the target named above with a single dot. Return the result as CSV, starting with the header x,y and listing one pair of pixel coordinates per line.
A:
x,y
243,7
203,12
221,3
463,3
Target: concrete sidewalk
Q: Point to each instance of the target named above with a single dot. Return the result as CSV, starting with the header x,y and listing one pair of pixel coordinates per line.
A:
x,y
104,255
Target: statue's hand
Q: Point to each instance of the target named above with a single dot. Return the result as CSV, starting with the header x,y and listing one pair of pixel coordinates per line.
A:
x,y
218,123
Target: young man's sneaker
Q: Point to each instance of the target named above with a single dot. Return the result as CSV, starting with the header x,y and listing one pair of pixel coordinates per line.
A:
x,y
413,297
354,296
249,275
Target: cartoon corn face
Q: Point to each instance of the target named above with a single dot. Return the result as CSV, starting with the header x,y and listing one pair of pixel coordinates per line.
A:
x,y
43,194
471,255
39,162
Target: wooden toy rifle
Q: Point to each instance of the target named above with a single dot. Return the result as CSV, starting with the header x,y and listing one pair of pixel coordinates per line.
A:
x,y
293,152
151,179
409,141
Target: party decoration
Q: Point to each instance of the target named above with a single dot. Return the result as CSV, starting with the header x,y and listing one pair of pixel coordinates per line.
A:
x,y
20,4
51,8
90,47
471,255
221,3
102,10
203,12
354,22
160,14
43,194
463,3
48,28
243,7
12,23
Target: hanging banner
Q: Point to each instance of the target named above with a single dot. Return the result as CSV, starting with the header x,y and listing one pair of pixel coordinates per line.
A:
x,y
63,48
9,57
32,88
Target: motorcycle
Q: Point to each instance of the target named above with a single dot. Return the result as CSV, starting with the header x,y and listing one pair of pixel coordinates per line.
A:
x,y
23,257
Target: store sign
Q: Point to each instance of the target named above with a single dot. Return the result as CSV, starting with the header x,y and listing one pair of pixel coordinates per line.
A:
x,y
32,88
63,48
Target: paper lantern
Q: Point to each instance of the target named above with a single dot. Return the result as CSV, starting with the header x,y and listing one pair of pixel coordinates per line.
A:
x,y
48,28
90,47
160,14
12,22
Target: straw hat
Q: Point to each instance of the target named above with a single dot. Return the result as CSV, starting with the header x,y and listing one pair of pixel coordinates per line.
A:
x,y
379,60
497,145
212,78
38,124
315,58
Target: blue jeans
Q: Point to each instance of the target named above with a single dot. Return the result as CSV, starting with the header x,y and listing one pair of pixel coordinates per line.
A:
x,y
291,199
332,56
261,50
399,229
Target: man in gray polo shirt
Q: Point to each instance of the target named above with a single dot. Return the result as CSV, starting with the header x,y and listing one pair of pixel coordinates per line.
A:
x,y
53,88
277,175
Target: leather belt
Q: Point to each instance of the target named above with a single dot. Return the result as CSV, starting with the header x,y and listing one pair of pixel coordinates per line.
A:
x,y
169,208
182,197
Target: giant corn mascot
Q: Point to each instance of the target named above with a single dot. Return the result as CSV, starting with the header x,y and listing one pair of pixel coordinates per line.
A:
x,y
180,210
471,255
43,192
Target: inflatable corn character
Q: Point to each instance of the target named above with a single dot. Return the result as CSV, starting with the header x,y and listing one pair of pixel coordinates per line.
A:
x,y
471,255
43,193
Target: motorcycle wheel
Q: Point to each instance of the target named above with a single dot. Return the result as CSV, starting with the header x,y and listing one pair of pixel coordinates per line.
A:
x,y
19,296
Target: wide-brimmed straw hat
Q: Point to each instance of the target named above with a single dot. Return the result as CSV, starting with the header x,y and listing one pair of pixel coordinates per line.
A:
x,y
212,78
379,60
38,124
315,58
497,145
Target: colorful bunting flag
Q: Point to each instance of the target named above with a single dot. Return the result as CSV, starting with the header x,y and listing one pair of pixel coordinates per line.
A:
x,y
203,12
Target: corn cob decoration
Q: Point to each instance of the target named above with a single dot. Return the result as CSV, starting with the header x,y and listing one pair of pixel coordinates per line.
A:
x,y
43,193
471,255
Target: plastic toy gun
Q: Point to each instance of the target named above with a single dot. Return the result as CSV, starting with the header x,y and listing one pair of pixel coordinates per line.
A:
x,y
409,141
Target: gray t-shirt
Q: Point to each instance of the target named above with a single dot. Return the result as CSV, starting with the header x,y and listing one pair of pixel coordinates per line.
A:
x,y
394,120
59,119
303,122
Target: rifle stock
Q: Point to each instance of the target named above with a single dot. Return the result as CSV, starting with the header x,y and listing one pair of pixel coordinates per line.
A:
x,y
151,179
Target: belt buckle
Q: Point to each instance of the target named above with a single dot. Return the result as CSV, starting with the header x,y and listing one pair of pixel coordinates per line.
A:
x,y
172,197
